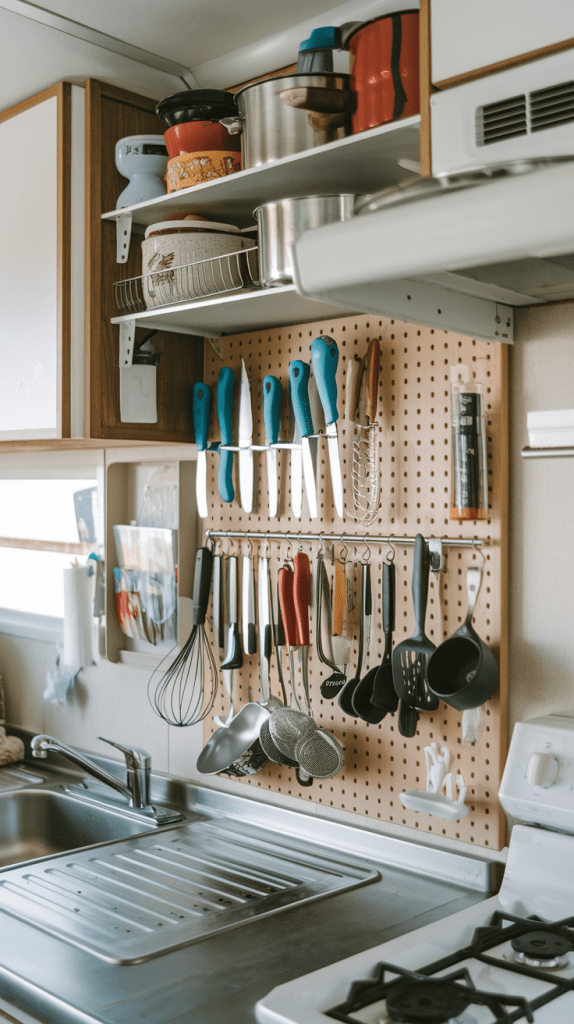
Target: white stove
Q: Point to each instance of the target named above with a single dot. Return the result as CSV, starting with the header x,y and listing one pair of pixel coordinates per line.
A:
x,y
508,959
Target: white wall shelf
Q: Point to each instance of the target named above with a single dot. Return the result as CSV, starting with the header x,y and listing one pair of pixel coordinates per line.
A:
x,y
234,314
358,164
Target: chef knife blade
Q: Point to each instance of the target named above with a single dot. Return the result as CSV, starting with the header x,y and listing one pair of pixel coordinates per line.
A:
x,y
325,359
272,395
296,463
299,373
201,406
245,433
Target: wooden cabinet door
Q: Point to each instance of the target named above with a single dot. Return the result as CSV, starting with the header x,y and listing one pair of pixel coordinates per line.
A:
x,y
112,114
35,262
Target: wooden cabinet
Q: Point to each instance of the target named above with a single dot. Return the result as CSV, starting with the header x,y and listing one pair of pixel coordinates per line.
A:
x,y
59,385
112,114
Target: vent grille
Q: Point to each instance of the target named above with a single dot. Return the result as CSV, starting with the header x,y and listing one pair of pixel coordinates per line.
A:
x,y
503,120
552,107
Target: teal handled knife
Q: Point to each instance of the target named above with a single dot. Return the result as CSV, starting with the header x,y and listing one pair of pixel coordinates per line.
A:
x,y
245,434
225,386
325,359
272,396
201,407
299,373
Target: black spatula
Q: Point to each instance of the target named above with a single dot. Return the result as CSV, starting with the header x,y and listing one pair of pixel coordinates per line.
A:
x,y
410,658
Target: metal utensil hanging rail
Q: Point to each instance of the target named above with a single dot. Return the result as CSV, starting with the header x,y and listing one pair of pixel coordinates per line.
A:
x,y
342,538
215,276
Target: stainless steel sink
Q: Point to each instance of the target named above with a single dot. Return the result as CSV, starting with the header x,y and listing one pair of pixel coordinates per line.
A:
x,y
43,822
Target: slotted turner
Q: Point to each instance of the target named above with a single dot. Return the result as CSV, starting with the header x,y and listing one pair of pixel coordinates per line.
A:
x,y
410,657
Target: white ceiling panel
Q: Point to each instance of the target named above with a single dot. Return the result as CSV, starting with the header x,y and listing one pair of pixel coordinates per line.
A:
x,y
189,31
34,57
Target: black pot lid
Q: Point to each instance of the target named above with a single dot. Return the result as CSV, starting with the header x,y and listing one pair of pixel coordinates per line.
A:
x,y
196,98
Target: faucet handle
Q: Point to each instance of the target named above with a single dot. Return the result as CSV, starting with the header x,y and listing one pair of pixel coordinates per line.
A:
x,y
136,758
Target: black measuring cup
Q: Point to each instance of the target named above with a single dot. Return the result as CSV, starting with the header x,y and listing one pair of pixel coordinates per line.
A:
x,y
463,671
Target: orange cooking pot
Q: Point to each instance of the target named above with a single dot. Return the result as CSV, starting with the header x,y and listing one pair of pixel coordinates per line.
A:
x,y
384,68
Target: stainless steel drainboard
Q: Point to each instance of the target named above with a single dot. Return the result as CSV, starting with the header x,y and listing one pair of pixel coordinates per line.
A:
x,y
17,778
134,900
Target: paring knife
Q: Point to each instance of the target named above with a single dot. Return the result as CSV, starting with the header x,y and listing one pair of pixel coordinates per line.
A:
x,y
245,442
296,463
225,386
299,373
201,407
325,359
272,396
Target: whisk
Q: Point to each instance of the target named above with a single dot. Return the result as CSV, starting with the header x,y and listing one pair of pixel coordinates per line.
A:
x,y
185,693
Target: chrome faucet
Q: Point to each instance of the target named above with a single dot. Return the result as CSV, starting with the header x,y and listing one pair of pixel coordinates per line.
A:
x,y
138,766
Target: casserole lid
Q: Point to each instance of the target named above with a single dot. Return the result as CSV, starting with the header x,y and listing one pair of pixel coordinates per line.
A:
x,y
177,226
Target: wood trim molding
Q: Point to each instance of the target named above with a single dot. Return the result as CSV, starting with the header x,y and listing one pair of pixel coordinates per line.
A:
x,y
425,87
64,312
504,65
33,101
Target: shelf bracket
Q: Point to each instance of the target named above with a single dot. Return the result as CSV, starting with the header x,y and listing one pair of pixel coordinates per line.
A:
x,y
127,337
123,235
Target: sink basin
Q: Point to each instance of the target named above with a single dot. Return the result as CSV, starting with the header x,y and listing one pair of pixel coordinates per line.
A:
x,y
38,823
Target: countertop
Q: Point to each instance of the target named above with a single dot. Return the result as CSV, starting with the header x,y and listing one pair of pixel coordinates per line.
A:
x,y
219,979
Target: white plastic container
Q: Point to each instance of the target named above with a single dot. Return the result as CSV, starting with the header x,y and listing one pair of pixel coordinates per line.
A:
x,y
179,243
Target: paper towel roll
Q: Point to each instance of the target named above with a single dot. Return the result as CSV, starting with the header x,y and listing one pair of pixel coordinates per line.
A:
x,y
78,609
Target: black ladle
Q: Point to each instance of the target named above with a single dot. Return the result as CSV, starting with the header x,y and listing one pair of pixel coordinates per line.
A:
x,y
384,694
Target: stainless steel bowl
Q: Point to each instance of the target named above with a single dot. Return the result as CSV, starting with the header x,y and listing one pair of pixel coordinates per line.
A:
x,y
280,225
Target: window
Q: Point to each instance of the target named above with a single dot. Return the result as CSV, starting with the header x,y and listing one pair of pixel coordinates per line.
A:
x,y
50,515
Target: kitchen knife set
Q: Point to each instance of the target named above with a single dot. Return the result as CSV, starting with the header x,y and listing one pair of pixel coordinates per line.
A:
x,y
304,444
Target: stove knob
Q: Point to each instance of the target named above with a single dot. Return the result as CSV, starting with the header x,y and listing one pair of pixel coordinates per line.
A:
x,y
542,770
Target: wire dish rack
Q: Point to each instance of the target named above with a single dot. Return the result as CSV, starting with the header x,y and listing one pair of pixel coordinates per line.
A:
x,y
220,274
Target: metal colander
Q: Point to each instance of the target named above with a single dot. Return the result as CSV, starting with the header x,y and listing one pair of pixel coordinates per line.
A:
x,y
271,749
319,754
287,726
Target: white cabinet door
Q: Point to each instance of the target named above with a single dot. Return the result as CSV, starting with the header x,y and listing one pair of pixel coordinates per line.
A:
x,y
470,34
37,317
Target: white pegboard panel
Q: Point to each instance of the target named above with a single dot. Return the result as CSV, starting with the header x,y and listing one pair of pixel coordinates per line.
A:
x,y
414,466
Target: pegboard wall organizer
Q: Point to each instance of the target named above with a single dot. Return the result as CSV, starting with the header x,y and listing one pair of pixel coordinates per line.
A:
x,y
413,450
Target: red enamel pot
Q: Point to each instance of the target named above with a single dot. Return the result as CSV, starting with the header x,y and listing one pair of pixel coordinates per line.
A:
x,y
385,69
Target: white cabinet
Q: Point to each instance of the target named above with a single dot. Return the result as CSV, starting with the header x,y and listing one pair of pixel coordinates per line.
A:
x,y
41,314
468,35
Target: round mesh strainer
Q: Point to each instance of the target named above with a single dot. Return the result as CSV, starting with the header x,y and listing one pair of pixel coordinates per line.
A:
x,y
320,754
287,726
271,749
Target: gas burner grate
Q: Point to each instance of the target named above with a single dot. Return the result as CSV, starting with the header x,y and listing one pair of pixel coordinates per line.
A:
x,y
408,1002
428,1001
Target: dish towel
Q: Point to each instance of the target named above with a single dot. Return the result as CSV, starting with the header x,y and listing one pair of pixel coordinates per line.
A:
x,y
11,748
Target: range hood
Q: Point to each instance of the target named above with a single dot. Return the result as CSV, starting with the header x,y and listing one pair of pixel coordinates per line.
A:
x,y
508,242
464,259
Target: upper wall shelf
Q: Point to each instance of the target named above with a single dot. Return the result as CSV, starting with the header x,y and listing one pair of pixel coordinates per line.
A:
x,y
236,312
358,164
